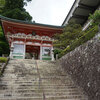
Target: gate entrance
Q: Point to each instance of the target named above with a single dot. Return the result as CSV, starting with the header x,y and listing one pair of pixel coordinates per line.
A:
x,y
32,52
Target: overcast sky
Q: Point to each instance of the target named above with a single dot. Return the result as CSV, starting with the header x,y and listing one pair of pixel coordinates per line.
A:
x,y
49,11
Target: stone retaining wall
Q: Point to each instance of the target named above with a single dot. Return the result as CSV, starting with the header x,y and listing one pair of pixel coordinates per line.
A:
x,y
83,64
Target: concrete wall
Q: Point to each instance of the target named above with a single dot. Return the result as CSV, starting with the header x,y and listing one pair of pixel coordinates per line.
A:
x,y
83,64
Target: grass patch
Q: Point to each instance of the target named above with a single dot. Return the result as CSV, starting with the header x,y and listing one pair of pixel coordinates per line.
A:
x,y
3,59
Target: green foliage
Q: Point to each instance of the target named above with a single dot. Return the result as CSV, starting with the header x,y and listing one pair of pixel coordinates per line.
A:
x,y
3,59
4,47
2,3
12,9
95,17
56,51
73,36
70,33
15,9
86,36
18,14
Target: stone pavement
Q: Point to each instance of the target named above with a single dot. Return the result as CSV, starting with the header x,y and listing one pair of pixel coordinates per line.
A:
x,y
37,80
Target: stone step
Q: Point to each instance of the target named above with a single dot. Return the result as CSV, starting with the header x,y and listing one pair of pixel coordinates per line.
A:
x,y
30,85
20,75
21,81
12,71
24,80
39,99
30,77
28,91
39,92
36,89
18,63
21,98
22,94
47,98
35,81
64,97
18,78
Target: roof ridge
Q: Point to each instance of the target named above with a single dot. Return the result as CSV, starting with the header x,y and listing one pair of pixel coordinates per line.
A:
x,y
25,22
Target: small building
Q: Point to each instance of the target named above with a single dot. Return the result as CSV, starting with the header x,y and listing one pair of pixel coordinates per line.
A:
x,y
29,40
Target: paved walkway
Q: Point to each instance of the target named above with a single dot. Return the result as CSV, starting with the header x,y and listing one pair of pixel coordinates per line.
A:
x,y
37,80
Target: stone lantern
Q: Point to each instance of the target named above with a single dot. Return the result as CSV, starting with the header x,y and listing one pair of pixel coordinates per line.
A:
x,y
12,48
11,51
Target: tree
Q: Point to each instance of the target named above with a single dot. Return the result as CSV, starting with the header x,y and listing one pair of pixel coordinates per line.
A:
x,y
15,9
12,9
70,33
2,3
4,47
95,17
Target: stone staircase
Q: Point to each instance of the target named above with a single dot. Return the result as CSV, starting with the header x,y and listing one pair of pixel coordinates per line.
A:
x,y
37,80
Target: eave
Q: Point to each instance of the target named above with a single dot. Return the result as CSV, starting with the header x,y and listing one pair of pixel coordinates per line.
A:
x,y
81,10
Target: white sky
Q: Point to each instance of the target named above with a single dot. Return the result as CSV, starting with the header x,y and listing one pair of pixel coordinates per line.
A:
x,y
49,11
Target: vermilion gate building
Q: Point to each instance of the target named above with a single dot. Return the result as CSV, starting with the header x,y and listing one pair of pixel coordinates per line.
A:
x,y
29,40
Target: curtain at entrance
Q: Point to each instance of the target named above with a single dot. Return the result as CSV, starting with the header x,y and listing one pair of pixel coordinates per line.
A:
x,y
18,49
46,51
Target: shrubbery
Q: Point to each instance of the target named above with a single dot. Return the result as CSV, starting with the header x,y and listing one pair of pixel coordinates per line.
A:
x,y
4,47
87,36
3,59
70,33
95,17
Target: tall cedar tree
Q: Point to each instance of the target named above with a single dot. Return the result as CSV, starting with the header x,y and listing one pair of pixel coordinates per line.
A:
x,y
12,9
15,9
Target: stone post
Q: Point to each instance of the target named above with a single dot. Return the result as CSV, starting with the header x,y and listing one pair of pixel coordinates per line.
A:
x,y
52,54
40,52
24,51
11,50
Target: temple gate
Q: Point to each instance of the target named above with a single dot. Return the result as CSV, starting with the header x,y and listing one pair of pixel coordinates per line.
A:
x,y
29,40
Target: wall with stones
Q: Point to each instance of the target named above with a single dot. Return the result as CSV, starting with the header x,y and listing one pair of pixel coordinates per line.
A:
x,y
83,64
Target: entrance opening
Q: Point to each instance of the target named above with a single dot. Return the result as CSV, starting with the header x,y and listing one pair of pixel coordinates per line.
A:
x,y
32,52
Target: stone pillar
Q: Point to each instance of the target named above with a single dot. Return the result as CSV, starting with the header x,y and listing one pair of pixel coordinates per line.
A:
x,y
11,50
24,51
52,54
40,52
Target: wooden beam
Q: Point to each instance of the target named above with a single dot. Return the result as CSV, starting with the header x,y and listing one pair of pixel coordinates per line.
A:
x,y
87,7
80,16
